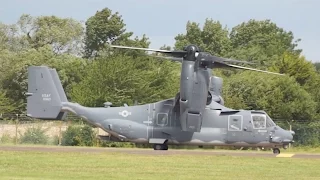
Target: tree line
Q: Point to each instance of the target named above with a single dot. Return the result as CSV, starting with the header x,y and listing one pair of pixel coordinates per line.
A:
x,y
93,73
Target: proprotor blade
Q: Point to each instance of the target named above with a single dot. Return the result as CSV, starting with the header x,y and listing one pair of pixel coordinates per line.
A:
x,y
137,48
171,53
252,69
169,58
226,60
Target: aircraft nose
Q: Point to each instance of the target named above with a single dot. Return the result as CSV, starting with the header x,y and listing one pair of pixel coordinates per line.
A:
x,y
282,136
290,136
292,132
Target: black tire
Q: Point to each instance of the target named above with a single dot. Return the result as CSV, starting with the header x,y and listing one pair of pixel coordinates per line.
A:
x,y
160,147
276,151
157,147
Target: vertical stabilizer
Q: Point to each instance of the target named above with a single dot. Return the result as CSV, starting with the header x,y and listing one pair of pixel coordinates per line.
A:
x,y
45,94
62,94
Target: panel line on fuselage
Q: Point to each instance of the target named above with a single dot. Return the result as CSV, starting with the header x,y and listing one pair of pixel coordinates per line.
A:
x,y
148,122
153,117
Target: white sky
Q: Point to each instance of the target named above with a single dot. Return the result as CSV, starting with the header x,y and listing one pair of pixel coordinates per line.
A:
x,y
162,20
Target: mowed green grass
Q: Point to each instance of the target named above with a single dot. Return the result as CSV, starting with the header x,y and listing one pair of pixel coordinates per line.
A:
x,y
115,165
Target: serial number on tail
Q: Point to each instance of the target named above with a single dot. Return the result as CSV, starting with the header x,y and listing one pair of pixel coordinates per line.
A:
x,y
46,97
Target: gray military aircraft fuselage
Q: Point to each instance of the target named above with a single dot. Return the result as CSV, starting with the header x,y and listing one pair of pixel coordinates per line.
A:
x,y
156,123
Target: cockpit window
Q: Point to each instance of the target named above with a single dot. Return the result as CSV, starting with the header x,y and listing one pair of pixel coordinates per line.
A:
x,y
259,121
270,123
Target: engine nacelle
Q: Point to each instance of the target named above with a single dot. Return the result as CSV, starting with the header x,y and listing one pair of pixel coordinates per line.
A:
x,y
215,85
215,89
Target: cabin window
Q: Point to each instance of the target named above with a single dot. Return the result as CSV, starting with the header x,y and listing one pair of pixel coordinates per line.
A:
x,y
259,121
162,119
235,123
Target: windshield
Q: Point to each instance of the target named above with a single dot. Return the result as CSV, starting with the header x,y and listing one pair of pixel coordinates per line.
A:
x,y
262,120
270,123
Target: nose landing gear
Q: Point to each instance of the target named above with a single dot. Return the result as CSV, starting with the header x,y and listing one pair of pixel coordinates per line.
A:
x,y
276,151
160,147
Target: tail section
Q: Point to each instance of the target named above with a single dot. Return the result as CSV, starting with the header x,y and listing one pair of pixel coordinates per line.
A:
x,y
45,94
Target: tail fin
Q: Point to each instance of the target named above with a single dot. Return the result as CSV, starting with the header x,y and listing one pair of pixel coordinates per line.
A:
x,y
45,94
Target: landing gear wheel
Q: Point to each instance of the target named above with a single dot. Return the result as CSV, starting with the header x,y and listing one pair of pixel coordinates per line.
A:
x,y
160,147
276,151
157,147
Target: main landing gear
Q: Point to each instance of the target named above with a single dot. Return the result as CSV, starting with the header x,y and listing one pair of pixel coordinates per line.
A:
x,y
276,151
160,147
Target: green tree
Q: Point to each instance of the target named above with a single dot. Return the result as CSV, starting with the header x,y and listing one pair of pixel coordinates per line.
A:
x,y
212,38
293,65
281,97
165,47
312,86
14,79
10,38
105,28
3,36
317,66
62,34
6,106
123,79
264,34
261,41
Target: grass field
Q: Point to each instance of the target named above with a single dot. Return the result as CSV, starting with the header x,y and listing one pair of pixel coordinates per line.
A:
x,y
115,165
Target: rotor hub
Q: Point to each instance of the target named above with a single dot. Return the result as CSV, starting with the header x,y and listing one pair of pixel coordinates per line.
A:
x,y
191,52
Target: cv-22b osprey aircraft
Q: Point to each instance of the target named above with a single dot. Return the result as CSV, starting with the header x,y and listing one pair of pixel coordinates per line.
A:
x,y
195,116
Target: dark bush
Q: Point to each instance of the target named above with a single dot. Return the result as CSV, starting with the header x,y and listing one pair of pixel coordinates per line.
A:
x,y
70,136
116,144
78,136
307,135
87,136
34,135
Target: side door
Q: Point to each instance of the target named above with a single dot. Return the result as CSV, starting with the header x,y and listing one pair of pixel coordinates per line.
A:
x,y
235,127
255,130
259,128
162,120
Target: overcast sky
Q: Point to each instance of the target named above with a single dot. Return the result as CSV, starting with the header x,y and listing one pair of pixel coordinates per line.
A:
x,y
162,20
